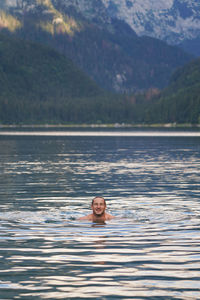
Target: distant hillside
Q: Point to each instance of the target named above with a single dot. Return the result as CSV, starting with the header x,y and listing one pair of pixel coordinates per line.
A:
x,y
40,86
107,49
180,101
34,76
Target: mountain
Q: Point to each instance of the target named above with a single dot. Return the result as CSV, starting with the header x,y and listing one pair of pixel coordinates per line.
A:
x,y
174,21
39,84
107,49
180,101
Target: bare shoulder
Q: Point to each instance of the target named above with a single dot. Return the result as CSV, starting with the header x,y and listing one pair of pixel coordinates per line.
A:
x,y
88,217
109,217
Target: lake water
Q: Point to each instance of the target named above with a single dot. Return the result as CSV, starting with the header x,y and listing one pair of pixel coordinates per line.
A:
x,y
151,181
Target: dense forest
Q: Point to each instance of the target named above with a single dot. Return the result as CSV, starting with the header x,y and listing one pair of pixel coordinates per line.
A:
x,y
180,101
41,86
37,82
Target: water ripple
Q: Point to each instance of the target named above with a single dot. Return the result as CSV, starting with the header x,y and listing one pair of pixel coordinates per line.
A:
x,y
151,249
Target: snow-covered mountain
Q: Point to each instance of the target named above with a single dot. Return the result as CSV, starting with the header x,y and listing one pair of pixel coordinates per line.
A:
x,y
171,20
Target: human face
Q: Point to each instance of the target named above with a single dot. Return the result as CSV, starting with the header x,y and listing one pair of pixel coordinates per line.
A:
x,y
98,207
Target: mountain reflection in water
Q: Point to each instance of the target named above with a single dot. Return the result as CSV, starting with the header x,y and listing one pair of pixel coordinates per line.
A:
x,y
151,249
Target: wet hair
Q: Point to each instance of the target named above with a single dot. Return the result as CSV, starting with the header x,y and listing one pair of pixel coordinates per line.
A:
x,y
98,197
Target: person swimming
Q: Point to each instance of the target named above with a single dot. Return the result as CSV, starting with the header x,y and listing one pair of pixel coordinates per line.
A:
x,y
99,214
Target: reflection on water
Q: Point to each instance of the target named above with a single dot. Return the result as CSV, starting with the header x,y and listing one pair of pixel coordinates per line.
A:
x,y
151,249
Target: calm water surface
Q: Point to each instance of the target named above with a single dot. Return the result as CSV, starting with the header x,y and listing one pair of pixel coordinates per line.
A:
x,y
151,181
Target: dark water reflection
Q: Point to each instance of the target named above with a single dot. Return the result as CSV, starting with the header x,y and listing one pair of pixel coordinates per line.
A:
x,y
150,251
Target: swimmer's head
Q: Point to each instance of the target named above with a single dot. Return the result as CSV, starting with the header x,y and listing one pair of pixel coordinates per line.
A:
x,y
98,198
98,206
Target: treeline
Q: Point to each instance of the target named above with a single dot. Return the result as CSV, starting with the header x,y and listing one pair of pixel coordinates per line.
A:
x,y
98,110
